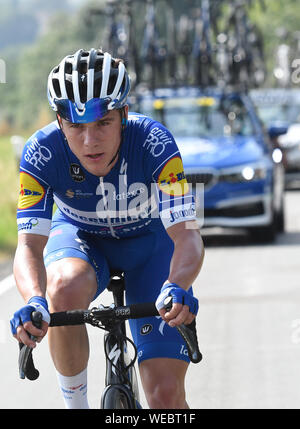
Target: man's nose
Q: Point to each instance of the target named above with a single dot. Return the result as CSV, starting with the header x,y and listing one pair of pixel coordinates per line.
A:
x,y
91,137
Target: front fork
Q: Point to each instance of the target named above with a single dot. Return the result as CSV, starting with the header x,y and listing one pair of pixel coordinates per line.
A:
x,y
116,362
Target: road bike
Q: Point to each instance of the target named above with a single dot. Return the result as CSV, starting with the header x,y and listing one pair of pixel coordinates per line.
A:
x,y
121,386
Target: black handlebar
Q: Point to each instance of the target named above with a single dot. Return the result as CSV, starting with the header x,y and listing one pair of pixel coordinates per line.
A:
x,y
78,317
101,315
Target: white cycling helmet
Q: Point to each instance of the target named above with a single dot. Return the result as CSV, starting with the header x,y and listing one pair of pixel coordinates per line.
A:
x,y
86,85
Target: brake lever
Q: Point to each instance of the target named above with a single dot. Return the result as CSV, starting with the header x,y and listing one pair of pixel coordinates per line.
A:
x,y
188,334
26,365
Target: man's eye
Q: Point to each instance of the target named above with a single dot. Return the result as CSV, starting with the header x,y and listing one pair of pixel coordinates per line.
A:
x,y
75,125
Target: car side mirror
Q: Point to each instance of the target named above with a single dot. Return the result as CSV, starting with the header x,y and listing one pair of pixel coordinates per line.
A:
x,y
277,130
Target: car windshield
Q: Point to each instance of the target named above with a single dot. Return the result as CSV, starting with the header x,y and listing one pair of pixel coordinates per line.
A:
x,y
270,113
201,117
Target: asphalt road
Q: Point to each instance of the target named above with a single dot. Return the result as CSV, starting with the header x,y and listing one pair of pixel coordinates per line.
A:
x,y
248,328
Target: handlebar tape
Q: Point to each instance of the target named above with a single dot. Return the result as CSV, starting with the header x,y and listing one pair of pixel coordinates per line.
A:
x,y
66,318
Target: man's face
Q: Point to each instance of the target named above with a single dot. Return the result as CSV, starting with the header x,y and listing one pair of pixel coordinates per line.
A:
x,y
96,143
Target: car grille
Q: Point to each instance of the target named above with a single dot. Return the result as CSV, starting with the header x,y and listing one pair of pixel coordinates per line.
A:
x,y
244,210
208,179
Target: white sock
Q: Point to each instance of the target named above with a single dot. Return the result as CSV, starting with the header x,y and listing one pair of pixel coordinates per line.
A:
x,y
74,390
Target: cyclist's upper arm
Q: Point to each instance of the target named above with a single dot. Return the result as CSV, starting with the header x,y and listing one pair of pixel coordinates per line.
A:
x,y
185,228
38,173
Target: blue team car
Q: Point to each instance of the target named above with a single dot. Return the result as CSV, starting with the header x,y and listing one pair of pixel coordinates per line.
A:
x,y
236,176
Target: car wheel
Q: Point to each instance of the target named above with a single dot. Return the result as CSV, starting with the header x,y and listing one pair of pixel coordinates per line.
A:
x,y
280,219
264,234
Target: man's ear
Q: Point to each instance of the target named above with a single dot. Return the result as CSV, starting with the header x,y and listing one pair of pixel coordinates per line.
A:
x,y
59,120
124,117
126,109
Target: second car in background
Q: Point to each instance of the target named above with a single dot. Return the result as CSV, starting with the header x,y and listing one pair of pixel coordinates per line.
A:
x,y
279,108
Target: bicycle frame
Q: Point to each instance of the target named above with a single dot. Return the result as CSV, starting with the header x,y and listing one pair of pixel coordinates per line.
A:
x,y
120,373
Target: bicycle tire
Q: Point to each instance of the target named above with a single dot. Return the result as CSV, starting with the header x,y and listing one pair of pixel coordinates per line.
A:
x,y
117,397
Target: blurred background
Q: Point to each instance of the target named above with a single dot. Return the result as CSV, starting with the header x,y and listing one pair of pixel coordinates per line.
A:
x,y
224,77
237,44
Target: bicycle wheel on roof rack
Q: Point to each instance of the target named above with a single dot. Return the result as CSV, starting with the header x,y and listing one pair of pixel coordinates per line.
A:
x,y
118,397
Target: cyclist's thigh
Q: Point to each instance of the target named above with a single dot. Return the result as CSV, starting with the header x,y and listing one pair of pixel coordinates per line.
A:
x,y
68,244
162,371
153,337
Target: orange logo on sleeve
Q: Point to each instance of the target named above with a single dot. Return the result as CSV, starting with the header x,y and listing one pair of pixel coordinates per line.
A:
x,y
172,180
31,192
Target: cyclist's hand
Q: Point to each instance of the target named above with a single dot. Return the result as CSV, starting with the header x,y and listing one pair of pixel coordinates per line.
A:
x,y
184,308
21,323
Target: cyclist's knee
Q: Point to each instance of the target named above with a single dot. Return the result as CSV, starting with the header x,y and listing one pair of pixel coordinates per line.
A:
x,y
163,382
71,283
167,393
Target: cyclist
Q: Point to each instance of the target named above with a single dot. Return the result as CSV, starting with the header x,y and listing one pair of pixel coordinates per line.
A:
x,y
122,202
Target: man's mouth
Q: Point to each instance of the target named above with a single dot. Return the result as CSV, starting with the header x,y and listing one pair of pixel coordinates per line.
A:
x,y
95,156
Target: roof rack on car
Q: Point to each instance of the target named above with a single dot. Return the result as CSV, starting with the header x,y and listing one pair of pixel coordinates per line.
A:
x,y
193,43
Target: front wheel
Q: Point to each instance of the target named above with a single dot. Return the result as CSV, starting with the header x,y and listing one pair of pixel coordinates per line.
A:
x,y
264,234
117,398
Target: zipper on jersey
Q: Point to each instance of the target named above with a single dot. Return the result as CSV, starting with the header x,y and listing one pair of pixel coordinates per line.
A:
x,y
105,205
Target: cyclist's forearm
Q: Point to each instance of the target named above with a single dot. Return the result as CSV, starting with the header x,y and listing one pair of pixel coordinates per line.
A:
x,y
30,272
187,259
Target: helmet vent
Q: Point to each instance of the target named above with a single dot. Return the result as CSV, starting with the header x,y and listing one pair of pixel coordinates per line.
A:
x,y
69,89
56,87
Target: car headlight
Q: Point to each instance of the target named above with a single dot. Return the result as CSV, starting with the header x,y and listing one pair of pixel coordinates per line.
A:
x,y
277,156
245,173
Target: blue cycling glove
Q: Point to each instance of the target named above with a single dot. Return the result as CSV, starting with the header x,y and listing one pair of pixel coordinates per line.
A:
x,y
178,295
23,315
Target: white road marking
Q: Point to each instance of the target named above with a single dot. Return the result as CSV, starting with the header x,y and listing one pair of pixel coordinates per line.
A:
x,y
6,284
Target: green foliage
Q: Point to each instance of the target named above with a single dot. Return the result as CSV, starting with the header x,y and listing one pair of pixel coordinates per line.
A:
x,y
26,25
278,15
24,95
8,197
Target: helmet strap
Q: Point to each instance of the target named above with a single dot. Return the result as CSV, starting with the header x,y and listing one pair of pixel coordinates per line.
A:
x,y
59,124
124,123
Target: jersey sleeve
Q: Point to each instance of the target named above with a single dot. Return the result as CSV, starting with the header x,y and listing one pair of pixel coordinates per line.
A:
x,y
35,203
164,164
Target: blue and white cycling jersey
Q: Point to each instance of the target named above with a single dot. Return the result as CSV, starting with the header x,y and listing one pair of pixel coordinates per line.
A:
x,y
143,192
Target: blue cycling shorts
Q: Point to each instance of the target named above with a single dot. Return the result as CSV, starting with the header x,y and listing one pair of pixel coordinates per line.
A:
x,y
145,261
